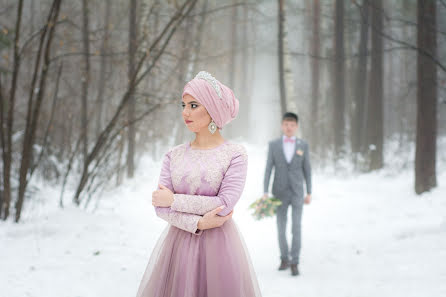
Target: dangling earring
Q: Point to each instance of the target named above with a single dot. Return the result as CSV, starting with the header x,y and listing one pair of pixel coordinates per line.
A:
x,y
212,127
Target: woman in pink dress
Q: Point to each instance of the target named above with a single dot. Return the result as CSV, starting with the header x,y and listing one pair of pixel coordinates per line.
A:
x,y
201,253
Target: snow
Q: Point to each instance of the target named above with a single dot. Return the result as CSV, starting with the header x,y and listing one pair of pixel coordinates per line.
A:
x,y
363,235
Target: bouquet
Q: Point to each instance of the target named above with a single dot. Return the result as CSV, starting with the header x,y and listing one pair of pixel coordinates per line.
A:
x,y
265,207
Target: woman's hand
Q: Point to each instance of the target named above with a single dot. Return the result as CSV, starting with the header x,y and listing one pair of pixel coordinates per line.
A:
x,y
212,220
162,197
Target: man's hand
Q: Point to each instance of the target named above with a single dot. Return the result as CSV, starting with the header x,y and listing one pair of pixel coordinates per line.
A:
x,y
307,199
212,220
162,197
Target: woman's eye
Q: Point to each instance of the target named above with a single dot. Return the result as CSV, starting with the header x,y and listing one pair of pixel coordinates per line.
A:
x,y
193,105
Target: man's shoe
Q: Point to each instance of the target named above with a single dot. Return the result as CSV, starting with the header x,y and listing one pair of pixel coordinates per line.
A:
x,y
294,270
284,265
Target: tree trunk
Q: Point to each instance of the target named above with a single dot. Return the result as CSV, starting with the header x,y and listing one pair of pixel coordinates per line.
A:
x,y
7,142
425,156
33,111
199,37
2,143
375,100
184,64
339,80
102,69
85,76
241,126
131,105
282,90
245,100
315,76
118,163
360,96
234,44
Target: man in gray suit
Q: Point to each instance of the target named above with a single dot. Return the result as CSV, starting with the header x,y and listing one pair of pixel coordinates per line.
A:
x,y
291,161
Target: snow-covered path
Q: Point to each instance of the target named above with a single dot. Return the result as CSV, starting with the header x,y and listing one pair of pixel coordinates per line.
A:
x,y
367,235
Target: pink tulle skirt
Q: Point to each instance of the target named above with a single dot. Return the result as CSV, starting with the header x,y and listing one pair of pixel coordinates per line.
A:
x,y
213,264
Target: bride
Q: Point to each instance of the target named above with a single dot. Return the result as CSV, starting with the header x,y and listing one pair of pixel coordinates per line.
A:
x,y
202,252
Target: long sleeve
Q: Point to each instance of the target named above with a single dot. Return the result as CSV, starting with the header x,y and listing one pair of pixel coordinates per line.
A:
x,y
307,168
268,168
231,189
181,220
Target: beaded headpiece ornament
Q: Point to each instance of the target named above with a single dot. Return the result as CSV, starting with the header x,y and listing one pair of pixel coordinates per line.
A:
x,y
210,79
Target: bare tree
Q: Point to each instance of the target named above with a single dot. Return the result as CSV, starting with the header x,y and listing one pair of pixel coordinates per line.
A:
x,y
102,68
234,45
280,53
315,75
131,105
339,79
33,112
375,116
7,142
360,94
426,140
107,133
85,77
199,36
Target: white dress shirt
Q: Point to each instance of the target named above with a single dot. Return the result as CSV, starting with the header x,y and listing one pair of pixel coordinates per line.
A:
x,y
288,148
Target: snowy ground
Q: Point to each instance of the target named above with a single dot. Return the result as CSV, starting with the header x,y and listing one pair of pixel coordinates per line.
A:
x,y
366,235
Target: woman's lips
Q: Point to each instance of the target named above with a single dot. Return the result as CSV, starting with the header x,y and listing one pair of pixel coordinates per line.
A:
x,y
187,122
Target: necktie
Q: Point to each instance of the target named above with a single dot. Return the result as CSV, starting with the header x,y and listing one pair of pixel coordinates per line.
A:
x,y
288,139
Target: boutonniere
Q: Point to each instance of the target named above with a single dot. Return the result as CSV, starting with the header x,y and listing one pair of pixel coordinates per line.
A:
x,y
300,152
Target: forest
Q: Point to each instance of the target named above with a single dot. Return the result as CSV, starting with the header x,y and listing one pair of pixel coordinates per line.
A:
x,y
89,86
91,104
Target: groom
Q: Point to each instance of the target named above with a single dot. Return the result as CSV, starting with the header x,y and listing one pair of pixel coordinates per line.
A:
x,y
290,158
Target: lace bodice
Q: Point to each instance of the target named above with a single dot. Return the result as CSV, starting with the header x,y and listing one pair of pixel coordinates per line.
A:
x,y
202,180
200,171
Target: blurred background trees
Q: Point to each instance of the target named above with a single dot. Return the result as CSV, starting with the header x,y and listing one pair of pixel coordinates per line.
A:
x,y
88,87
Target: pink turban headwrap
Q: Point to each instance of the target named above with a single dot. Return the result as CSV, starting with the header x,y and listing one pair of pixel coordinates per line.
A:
x,y
218,99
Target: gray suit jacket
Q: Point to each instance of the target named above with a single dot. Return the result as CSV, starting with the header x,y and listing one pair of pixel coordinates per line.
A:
x,y
288,176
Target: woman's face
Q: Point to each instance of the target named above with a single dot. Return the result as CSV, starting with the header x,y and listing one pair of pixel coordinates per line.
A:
x,y
195,115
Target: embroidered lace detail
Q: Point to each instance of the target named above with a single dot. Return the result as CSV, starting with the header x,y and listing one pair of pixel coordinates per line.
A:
x,y
177,165
184,221
195,204
209,164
